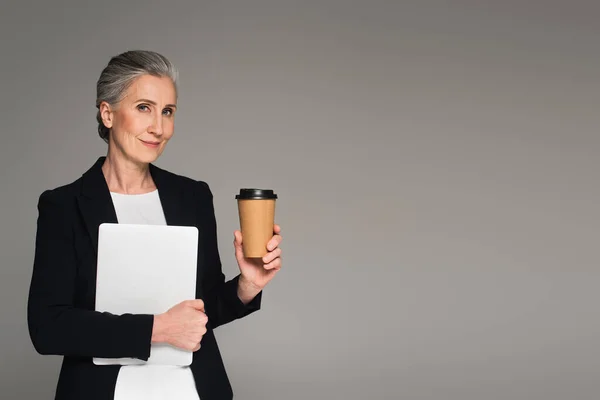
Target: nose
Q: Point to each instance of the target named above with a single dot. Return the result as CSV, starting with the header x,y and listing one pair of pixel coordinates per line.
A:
x,y
157,126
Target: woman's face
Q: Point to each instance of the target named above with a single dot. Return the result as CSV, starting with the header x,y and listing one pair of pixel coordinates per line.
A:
x,y
142,123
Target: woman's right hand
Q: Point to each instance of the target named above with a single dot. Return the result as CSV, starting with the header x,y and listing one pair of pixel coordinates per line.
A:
x,y
182,326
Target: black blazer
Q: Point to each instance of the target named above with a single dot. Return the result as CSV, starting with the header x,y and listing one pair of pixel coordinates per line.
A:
x,y
60,312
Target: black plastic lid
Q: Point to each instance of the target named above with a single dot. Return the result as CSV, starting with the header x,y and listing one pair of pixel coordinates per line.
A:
x,y
256,194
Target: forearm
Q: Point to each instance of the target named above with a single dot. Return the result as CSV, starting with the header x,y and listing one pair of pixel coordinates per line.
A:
x,y
223,302
85,333
159,334
246,291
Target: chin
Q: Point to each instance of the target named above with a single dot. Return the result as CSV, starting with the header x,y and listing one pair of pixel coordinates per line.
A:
x,y
147,157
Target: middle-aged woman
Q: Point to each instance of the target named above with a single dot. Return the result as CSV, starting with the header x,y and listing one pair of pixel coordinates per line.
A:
x,y
136,100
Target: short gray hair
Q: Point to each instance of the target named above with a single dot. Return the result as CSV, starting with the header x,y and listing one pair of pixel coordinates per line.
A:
x,y
120,73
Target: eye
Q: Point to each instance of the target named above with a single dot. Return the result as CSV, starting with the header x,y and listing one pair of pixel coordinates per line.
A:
x,y
168,111
143,107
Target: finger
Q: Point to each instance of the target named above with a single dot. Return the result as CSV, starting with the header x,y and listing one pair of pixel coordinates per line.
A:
x,y
272,255
237,237
274,242
276,229
197,304
274,265
203,317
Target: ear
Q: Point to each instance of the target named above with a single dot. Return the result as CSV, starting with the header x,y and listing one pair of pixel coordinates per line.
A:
x,y
107,114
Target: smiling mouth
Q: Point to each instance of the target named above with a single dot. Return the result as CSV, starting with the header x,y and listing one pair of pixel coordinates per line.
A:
x,y
150,143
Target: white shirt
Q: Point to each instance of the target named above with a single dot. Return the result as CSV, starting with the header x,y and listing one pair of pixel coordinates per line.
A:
x,y
149,382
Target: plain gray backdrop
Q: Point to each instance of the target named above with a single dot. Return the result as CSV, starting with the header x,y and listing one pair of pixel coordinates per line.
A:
x,y
437,170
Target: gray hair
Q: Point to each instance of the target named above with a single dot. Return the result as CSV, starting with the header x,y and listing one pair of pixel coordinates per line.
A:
x,y
120,73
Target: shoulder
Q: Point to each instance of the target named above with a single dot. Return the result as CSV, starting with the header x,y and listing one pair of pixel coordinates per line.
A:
x,y
64,195
57,207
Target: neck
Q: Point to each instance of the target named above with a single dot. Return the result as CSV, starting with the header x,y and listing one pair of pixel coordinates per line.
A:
x,y
126,176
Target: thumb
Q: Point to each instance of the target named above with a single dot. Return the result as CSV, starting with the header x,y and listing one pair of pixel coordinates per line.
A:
x,y
237,244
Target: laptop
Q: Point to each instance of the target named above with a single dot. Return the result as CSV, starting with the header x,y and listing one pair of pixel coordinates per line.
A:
x,y
146,269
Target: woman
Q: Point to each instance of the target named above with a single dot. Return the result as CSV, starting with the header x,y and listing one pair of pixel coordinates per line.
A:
x,y
137,101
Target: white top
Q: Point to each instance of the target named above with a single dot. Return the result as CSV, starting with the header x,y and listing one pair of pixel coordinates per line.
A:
x,y
149,382
139,208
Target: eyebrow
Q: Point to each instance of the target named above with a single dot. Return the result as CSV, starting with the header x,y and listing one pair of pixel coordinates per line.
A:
x,y
154,103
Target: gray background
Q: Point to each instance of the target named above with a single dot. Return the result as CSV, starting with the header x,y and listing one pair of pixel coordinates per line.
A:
x,y
437,165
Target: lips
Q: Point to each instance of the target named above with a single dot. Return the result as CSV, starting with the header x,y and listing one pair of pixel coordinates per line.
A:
x,y
150,144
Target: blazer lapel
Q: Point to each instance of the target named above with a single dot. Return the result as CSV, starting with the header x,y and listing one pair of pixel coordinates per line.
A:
x,y
95,203
171,197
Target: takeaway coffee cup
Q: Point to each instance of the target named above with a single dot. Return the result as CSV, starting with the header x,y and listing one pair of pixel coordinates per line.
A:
x,y
256,209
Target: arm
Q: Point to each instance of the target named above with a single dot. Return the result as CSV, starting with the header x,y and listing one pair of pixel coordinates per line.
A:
x,y
223,304
56,326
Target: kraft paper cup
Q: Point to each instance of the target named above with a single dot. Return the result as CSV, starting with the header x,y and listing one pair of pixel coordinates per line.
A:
x,y
256,208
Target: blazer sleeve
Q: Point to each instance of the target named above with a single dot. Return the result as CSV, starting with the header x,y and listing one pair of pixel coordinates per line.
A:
x,y
221,301
56,326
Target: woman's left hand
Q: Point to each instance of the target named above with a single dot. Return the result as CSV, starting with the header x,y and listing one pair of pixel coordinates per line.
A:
x,y
256,271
